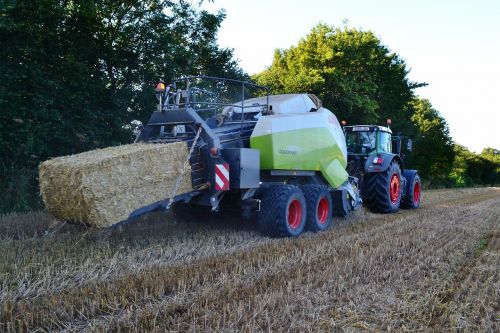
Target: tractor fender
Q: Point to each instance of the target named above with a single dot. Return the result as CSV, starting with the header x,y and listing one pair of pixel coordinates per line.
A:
x,y
387,159
409,173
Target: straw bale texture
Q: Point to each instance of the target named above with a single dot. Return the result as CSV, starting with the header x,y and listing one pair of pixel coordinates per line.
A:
x,y
102,187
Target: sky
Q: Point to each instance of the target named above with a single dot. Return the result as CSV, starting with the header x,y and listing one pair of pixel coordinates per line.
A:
x,y
454,46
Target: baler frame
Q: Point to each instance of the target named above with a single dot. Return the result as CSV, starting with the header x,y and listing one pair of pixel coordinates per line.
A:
x,y
224,142
179,108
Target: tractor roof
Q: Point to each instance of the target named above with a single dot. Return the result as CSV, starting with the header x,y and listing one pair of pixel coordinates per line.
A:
x,y
367,128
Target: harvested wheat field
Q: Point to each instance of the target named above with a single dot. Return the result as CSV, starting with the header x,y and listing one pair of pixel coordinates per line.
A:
x,y
432,269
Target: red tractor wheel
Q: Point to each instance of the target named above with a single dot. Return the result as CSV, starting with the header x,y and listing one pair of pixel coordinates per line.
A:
x,y
382,191
394,187
413,191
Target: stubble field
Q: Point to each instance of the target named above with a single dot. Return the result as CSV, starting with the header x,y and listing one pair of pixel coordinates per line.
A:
x,y
432,269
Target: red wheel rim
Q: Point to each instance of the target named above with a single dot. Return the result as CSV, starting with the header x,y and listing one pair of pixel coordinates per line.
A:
x,y
416,193
294,214
322,212
394,188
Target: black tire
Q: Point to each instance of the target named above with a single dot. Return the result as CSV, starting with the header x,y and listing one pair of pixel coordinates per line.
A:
x,y
319,207
382,191
189,213
413,191
282,211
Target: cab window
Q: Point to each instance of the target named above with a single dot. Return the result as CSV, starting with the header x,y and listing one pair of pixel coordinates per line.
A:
x,y
360,142
385,142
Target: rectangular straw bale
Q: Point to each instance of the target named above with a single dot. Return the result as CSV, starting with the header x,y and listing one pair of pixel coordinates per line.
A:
x,y
102,187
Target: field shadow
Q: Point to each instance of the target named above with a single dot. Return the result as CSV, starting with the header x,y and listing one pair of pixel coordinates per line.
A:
x,y
166,222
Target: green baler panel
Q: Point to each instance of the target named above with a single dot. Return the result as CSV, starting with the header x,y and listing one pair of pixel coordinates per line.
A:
x,y
310,148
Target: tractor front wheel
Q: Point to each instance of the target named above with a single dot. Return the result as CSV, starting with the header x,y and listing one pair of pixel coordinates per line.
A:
x,y
382,191
282,211
413,191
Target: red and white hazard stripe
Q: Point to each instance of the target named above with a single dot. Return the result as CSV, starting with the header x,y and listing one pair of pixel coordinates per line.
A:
x,y
222,177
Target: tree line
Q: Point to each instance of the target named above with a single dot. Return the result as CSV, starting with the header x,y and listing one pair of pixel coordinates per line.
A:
x,y
363,82
76,73
73,73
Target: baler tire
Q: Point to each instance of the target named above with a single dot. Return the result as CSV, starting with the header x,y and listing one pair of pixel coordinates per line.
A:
x,y
276,218
382,191
319,207
413,190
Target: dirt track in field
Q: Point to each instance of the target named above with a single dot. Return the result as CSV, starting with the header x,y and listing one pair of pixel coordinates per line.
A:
x,y
432,269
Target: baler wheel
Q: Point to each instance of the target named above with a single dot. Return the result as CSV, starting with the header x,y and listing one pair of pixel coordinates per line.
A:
x,y
282,211
382,191
319,207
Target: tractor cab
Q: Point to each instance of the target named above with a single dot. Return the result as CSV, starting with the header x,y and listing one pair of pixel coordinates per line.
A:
x,y
366,142
368,139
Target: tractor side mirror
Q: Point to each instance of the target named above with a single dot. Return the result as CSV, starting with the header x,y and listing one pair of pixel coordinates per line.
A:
x,y
396,145
409,145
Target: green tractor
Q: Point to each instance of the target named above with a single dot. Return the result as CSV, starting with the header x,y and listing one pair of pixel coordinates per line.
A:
x,y
375,158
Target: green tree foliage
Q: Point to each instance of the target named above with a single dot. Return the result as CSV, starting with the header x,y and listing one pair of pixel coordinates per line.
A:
x,y
458,174
75,72
350,71
361,81
491,173
433,152
475,169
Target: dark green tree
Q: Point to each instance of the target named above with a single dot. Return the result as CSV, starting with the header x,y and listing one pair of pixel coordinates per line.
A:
x,y
433,152
491,172
350,70
491,152
75,73
476,169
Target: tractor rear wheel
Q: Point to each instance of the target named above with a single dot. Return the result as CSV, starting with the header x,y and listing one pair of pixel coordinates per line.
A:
x,y
319,207
413,191
282,211
382,190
